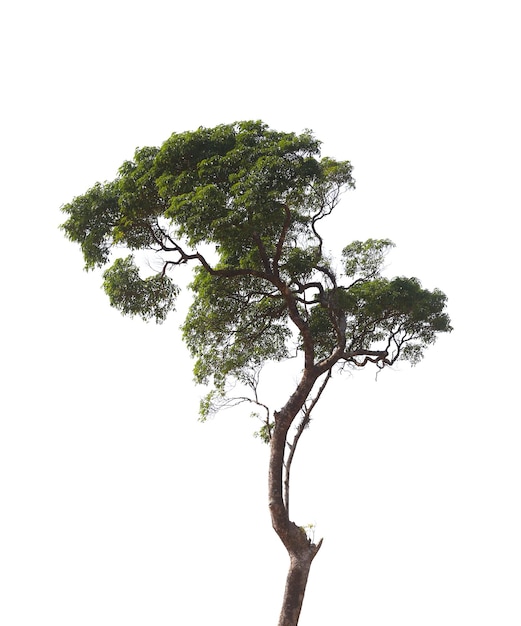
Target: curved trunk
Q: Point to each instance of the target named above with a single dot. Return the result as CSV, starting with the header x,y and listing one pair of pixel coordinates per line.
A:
x,y
300,549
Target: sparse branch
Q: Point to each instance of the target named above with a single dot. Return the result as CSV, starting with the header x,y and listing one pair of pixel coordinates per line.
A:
x,y
358,281
229,402
322,212
161,237
359,338
317,235
184,257
327,271
328,204
306,418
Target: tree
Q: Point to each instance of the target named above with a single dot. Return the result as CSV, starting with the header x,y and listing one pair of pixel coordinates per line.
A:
x,y
243,204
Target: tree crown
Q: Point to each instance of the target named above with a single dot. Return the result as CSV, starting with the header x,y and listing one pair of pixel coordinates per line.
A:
x,y
243,202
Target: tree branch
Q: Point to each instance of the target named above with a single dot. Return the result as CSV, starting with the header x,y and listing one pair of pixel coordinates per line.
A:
x,y
326,208
306,418
263,254
380,357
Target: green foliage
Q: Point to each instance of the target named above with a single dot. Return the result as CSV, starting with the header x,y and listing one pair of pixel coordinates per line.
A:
x,y
322,328
364,259
92,218
233,326
252,199
398,311
299,263
209,404
152,297
222,186
265,432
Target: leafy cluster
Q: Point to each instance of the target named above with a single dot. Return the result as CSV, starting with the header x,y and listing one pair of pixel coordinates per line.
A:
x,y
244,203
152,297
233,326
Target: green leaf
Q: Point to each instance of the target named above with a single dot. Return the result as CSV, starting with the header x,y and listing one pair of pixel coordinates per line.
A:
x,y
244,203
364,259
152,297
232,326
92,218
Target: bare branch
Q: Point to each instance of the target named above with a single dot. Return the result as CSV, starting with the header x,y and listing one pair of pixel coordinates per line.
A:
x,y
229,402
306,418
327,271
329,202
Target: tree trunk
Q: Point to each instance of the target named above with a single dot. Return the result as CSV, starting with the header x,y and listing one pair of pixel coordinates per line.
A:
x,y
296,582
300,549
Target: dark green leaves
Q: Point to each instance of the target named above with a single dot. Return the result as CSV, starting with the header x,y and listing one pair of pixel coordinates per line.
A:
x,y
400,297
230,186
92,219
152,297
235,181
398,312
233,326
251,199
300,263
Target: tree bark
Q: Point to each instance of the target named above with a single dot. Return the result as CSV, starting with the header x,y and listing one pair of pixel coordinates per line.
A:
x,y
300,549
296,582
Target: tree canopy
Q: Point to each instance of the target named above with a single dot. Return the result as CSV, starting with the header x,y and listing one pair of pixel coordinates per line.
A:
x,y
251,198
244,203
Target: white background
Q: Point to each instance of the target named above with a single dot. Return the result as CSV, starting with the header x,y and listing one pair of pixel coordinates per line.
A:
x,y
117,506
